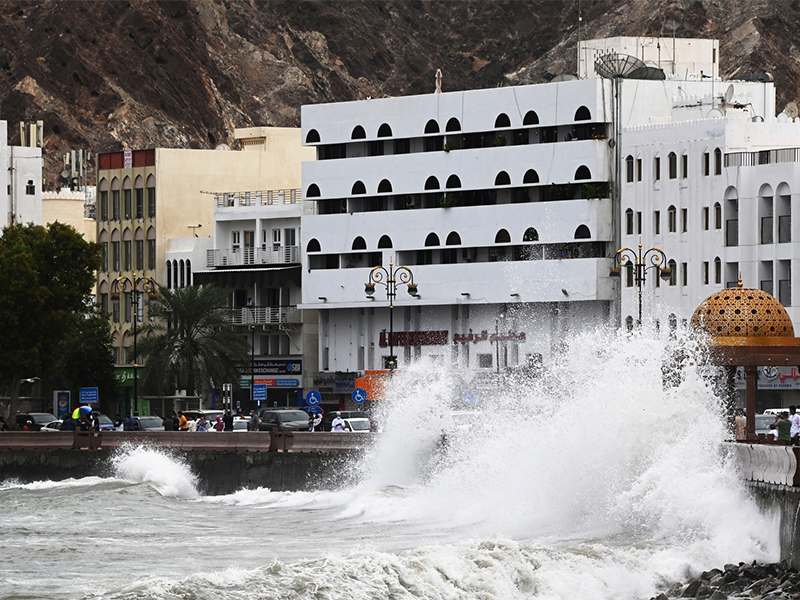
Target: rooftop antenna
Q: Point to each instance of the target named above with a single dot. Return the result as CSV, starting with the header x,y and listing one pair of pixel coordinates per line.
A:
x,y
438,81
791,111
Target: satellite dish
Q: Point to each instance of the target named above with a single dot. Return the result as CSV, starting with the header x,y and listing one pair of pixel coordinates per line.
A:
x,y
624,66
791,111
65,174
729,94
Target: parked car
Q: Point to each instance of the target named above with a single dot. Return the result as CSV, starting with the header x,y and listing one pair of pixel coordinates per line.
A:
x,y
764,424
106,424
357,425
34,421
239,424
286,419
148,423
345,414
52,426
210,415
775,411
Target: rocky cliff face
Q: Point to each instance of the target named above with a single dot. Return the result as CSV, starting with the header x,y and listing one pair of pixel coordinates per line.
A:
x,y
108,75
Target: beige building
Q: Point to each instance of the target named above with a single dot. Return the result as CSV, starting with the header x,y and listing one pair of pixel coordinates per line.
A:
x,y
145,198
69,207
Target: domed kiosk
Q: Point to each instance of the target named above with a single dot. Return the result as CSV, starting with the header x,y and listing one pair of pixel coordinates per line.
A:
x,y
747,328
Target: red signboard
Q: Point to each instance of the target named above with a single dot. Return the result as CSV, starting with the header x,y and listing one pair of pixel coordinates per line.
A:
x,y
414,338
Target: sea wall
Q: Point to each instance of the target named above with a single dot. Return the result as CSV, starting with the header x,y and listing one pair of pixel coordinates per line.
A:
x,y
218,472
785,500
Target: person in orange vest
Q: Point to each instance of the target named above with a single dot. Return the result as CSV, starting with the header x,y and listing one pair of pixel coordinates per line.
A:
x,y
183,423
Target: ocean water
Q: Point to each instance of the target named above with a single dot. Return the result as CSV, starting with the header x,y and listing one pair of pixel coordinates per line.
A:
x,y
593,482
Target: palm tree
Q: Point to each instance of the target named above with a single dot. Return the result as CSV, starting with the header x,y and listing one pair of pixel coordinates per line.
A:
x,y
191,345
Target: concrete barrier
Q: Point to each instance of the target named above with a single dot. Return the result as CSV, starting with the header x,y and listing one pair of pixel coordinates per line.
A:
x,y
29,440
306,441
768,463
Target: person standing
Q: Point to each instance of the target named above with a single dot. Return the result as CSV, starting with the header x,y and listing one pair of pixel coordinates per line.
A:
x,y
338,423
167,423
254,421
118,422
176,421
202,425
795,419
183,424
741,425
227,421
784,426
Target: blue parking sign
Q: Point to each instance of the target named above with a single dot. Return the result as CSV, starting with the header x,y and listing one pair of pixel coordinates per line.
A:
x,y
313,398
359,395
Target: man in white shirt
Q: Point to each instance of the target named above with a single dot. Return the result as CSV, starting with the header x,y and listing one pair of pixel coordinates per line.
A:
x,y
795,419
338,423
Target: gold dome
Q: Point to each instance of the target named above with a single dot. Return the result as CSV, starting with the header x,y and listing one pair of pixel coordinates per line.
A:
x,y
742,312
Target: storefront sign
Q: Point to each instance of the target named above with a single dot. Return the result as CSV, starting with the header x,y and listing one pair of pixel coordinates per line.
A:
x,y
245,382
414,338
510,336
341,382
124,376
271,367
772,378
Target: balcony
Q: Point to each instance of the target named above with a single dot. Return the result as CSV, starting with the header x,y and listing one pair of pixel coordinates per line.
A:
x,y
258,198
240,257
264,315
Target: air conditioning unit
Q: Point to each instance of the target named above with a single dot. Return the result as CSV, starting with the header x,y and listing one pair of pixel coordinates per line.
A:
x,y
410,202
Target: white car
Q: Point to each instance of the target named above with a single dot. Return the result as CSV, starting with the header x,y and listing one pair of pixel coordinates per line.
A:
x,y
51,426
357,425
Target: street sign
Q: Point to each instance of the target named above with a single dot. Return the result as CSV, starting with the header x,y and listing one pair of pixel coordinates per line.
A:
x,y
259,392
89,395
359,395
313,398
315,410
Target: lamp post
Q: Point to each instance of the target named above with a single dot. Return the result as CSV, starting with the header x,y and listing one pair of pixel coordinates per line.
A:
x,y
252,365
135,286
640,261
391,278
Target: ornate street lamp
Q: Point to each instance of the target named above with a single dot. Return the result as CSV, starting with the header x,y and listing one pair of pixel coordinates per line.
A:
x,y
391,278
640,261
134,286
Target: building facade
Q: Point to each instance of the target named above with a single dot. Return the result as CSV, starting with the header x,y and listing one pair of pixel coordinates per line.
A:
x,y
21,178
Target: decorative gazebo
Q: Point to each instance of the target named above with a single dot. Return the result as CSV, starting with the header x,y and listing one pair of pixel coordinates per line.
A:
x,y
747,328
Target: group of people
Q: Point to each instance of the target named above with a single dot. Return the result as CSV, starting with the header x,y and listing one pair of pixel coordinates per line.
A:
x,y
785,429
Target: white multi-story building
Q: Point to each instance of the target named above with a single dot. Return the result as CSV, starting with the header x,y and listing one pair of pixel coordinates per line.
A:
x,y
509,205
21,176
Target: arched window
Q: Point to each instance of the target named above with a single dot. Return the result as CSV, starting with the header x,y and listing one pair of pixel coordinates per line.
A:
x,y
717,215
188,272
453,239
531,176
629,323
359,244
717,161
502,179
453,182
384,186
673,272
531,118
313,245
431,183
672,219
312,137
358,133
717,270
672,160
629,169
502,120
582,233
629,222
182,274
502,237
432,240
358,188
453,125
583,114
385,242
530,235
583,172
384,130
431,127
312,191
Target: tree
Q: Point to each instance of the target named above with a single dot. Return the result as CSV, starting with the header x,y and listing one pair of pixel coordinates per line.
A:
x,y
191,345
46,278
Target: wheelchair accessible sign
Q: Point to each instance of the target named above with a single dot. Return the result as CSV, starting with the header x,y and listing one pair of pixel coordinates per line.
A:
x,y
313,398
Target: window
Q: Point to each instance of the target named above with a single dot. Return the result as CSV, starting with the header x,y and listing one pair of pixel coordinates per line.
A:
x,y
485,361
115,310
139,255
30,188
684,166
705,273
115,205
126,197
706,218
672,216
673,165
717,270
276,239
717,216
126,254
706,164
684,274
502,120
104,206
402,146
312,137
657,168
105,257
358,133
629,222
151,254
375,148
684,219
236,240
384,130
115,256
629,169
657,222
638,169
639,222
673,273
717,162
151,202
139,203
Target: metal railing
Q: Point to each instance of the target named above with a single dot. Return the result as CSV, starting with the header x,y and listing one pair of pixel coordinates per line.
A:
x,y
239,257
264,315
258,198
762,157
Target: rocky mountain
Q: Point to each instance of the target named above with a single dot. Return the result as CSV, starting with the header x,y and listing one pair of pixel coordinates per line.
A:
x,y
110,74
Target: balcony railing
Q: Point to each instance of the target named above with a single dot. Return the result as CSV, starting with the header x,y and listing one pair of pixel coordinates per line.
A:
x,y
238,257
258,198
264,315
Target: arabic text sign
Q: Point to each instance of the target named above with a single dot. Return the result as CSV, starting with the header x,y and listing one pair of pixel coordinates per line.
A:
x,y
89,395
510,336
772,378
